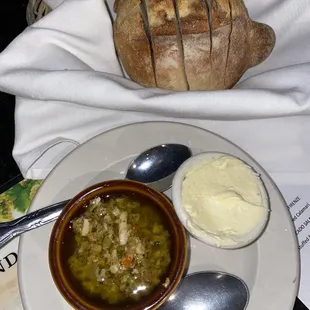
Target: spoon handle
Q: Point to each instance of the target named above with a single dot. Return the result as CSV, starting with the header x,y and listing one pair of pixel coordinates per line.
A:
x,y
32,220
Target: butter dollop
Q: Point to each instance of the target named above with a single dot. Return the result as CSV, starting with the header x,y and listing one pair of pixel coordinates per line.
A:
x,y
223,198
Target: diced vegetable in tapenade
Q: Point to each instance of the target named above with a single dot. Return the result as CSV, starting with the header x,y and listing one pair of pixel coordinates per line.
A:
x,y
122,249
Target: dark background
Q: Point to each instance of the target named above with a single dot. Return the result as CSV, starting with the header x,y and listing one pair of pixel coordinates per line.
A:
x,y
13,22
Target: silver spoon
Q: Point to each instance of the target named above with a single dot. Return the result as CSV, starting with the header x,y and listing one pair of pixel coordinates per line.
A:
x,y
154,167
209,290
157,166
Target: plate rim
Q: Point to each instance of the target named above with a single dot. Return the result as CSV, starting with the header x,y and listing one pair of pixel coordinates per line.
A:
x,y
133,124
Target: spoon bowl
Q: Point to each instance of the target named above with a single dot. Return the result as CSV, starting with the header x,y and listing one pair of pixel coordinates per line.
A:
x,y
209,290
156,167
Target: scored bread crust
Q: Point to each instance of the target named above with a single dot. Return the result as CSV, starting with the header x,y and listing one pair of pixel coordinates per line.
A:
x,y
167,51
220,13
174,48
133,46
237,59
220,42
237,56
195,30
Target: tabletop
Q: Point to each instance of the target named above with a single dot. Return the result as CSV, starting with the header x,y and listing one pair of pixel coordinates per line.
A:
x,y
9,172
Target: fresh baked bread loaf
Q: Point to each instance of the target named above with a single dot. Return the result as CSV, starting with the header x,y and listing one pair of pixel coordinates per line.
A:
x,y
188,44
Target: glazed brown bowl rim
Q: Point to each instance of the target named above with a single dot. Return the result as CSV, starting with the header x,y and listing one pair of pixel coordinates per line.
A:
x,y
155,299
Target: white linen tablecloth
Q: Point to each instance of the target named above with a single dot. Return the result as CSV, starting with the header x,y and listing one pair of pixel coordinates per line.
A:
x,y
69,86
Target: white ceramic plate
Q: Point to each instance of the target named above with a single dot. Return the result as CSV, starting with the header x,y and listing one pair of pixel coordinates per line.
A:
x,y
270,266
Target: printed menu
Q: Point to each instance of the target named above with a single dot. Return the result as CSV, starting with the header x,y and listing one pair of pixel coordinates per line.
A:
x,y
298,202
16,201
13,204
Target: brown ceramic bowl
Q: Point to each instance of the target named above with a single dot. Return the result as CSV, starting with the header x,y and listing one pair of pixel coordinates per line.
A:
x,y
59,247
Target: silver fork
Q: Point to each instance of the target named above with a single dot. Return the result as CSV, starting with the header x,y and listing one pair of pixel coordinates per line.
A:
x,y
32,220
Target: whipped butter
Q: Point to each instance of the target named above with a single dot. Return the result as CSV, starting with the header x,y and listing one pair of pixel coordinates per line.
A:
x,y
222,197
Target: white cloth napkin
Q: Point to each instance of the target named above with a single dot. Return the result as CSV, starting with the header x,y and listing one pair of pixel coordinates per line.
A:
x,y
69,86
